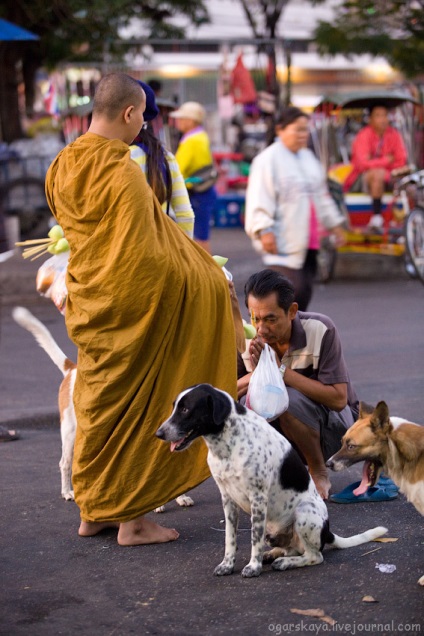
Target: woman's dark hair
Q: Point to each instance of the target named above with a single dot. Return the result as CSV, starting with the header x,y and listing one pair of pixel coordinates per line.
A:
x,y
158,174
267,282
155,85
288,115
377,105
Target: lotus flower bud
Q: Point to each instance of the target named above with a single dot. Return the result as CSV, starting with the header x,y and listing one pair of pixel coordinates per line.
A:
x,y
56,233
220,260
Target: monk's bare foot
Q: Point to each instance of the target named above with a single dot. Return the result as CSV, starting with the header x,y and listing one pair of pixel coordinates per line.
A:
x,y
322,483
142,531
91,528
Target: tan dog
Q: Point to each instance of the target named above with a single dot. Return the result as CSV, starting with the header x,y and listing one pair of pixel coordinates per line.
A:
x,y
385,443
66,405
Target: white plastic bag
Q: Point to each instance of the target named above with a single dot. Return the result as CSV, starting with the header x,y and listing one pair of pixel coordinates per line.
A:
x,y
51,280
267,394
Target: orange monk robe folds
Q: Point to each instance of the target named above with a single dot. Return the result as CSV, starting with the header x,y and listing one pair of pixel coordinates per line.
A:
x,y
150,313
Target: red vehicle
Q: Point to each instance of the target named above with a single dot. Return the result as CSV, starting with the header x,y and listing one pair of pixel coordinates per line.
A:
x,y
334,125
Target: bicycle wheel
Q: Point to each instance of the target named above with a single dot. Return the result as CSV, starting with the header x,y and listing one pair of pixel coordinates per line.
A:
x,y
26,199
414,234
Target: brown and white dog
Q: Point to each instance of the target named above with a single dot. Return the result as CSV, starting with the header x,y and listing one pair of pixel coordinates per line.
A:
x,y
68,420
385,443
66,405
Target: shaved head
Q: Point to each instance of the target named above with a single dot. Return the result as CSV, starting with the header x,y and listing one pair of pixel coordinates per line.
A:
x,y
114,93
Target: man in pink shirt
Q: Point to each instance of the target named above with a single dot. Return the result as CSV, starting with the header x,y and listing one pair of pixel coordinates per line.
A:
x,y
377,150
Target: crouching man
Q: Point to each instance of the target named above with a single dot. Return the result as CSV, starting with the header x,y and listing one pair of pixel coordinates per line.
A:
x,y
323,403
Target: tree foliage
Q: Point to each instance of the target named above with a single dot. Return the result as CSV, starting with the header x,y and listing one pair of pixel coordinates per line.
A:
x,y
393,29
77,31
263,16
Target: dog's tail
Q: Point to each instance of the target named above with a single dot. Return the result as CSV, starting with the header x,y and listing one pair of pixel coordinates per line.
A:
x,y
44,338
356,539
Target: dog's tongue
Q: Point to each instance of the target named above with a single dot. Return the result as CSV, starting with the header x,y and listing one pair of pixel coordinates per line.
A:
x,y
363,486
175,445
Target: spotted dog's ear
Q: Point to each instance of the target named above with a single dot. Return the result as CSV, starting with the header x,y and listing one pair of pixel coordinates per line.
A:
x,y
221,407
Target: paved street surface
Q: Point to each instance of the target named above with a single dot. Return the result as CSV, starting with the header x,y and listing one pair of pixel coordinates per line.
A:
x,y
53,582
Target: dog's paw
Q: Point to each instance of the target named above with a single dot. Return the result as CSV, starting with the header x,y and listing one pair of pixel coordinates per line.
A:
x,y
282,563
184,500
224,568
421,581
273,554
68,495
159,509
250,571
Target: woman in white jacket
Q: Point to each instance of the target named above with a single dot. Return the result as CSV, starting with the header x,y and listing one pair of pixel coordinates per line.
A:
x,y
287,202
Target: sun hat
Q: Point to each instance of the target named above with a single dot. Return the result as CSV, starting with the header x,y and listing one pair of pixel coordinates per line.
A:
x,y
190,110
151,110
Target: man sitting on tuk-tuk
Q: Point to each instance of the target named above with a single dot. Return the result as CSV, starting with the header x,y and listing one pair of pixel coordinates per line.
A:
x,y
377,150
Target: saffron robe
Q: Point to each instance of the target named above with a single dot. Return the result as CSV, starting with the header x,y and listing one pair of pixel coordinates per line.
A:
x,y
150,313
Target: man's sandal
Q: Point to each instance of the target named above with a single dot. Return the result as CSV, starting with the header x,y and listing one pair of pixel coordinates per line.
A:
x,y
384,490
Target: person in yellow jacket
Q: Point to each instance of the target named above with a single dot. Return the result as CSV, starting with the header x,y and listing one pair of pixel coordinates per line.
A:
x,y
193,154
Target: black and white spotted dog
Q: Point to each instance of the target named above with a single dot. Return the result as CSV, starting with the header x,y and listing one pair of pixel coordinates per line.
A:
x,y
257,470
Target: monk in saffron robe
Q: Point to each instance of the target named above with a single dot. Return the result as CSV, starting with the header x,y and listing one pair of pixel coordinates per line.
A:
x,y
150,313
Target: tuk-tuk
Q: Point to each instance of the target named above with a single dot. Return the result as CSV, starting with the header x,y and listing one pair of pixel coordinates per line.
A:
x,y
334,125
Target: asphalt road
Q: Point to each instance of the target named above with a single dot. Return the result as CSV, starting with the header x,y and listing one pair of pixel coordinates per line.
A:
x,y
53,582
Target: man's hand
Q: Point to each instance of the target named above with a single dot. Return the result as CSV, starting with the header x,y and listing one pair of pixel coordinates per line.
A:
x,y
232,289
339,236
255,350
243,385
269,243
